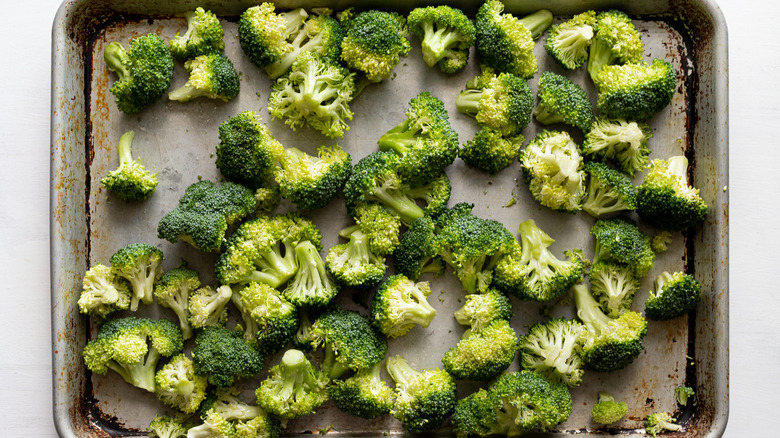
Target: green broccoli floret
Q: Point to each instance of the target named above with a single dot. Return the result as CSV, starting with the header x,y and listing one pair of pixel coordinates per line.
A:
x,y
247,152
206,214
446,35
311,285
294,387
568,42
226,403
381,226
144,72
483,308
660,422
683,393
132,347
418,253
505,42
261,426
104,292
610,344
619,240
173,292
491,152
363,395
532,272
424,399
208,306
661,241
224,357
141,265
271,320
316,92
349,342
130,180
311,182
263,34
666,200
475,415
614,287
204,35
166,427
425,141
482,354
214,426
373,43
616,42
609,191
177,385
622,143
400,304
635,91
354,264
503,102
212,76
675,294
562,101
554,171
552,349
607,410
472,246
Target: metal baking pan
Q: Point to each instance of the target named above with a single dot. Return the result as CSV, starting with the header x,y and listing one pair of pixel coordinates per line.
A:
x,y
177,141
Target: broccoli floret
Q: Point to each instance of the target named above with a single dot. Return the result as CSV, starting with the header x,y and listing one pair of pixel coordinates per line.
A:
x,y
141,265
616,42
294,387
552,349
491,152
683,393
166,427
532,272
225,402
132,347
661,241
206,214
666,200
247,152
482,354
554,171
562,101
270,319
424,399
204,35
446,35
472,246
614,287
311,182
400,304
354,264
104,292
418,253
609,191
311,285
349,341
208,306
635,91
263,34
675,295
130,180
212,76
214,426
607,410
475,415
224,357
177,385
610,344
505,42
619,240
373,43
503,102
568,42
173,292
381,226
363,395
483,308
621,142
316,91
261,426
144,72
425,140
660,422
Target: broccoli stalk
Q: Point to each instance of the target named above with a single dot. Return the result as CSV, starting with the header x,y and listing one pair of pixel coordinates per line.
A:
x,y
226,403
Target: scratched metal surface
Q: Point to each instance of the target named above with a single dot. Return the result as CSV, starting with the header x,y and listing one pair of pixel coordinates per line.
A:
x,y
177,141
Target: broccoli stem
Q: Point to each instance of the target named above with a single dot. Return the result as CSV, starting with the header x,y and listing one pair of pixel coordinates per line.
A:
x,y
275,269
331,365
399,139
678,166
400,370
116,60
185,93
126,148
346,232
468,102
588,310
544,116
140,374
537,22
436,42
406,208
600,55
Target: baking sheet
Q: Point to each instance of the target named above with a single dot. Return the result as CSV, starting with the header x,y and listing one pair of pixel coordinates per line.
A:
x,y
177,141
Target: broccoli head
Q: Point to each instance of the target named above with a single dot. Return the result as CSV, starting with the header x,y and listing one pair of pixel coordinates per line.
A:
x,y
214,426
177,385
223,356
482,354
446,35
620,142
660,422
562,101
675,295
354,264
617,41
247,152
166,427
363,395
141,265
130,181
607,410
683,393
661,241
554,171
173,292
618,239
144,72
103,292
635,91
552,349
311,182
666,200
349,342
271,320
208,306
311,285
483,308
424,399
491,152
381,226
614,287
400,304
374,42
417,252
264,34
502,102
212,76
204,35
294,387
609,191
568,42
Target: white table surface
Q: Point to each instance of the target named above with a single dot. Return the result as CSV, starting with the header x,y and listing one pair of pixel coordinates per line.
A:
x,y
25,339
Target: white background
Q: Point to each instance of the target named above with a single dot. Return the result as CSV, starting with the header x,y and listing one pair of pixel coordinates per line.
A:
x,y
25,330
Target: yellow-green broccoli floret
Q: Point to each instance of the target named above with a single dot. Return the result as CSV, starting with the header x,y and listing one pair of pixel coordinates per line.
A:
x,y
141,265
635,91
446,34
660,422
617,41
607,410
400,304
348,340
501,101
354,264
675,294
562,101
490,151
311,182
204,35
614,287
363,395
173,292
103,292
294,387
270,320
424,399
482,354
177,385
666,200
554,171
609,191
553,349
130,181
568,42
621,142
